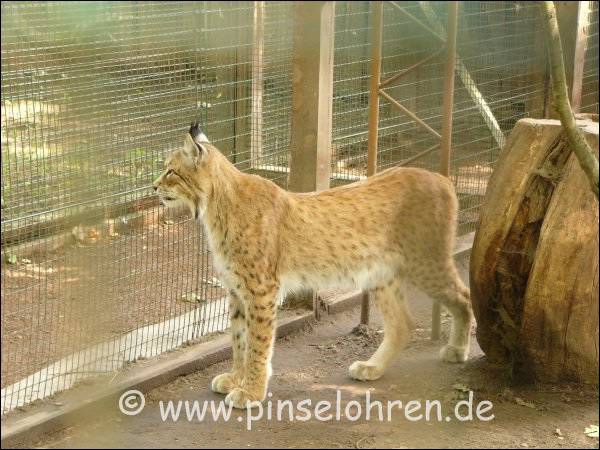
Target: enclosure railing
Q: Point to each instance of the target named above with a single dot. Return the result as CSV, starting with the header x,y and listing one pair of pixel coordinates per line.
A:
x,y
377,89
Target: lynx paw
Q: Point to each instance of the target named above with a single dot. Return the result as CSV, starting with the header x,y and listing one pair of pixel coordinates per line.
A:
x,y
224,383
453,354
242,399
362,371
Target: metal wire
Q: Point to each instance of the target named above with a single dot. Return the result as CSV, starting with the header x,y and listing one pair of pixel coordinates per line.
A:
x,y
350,91
589,95
96,94
501,52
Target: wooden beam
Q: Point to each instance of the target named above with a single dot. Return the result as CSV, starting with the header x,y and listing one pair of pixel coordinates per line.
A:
x,y
572,19
312,106
312,96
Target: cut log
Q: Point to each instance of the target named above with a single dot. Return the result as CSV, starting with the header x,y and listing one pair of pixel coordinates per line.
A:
x,y
534,263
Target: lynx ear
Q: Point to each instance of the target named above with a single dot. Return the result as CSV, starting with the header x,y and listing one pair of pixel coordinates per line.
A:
x,y
197,134
193,145
192,149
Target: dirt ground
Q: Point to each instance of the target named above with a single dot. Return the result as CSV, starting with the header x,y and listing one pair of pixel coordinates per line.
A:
x,y
313,364
65,300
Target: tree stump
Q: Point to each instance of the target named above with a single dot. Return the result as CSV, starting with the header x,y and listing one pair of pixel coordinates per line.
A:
x,y
534,263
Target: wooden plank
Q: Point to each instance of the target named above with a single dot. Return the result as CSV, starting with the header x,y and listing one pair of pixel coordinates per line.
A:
x,y
312,96
312,106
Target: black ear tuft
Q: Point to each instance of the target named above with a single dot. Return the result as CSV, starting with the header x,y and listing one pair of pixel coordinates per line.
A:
x,y
197,134
195,130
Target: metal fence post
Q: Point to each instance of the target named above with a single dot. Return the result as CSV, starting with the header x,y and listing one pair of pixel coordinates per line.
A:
x,y
446,139
312,102
377,39
258,46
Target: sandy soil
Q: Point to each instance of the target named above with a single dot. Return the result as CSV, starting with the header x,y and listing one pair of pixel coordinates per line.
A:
x,y
313,365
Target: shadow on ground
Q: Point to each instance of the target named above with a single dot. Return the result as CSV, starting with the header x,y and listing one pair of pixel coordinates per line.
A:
x,y
312,364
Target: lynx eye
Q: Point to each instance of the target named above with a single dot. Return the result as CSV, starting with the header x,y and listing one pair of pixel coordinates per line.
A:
x,y
170,172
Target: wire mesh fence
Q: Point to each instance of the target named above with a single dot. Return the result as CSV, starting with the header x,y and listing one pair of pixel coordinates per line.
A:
x,y
500,60
589,88
95,95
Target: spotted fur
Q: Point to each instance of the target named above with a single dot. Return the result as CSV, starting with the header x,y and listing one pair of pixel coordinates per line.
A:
x,y
396,227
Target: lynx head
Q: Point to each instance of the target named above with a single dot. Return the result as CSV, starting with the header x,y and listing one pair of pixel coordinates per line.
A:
x,y
187,178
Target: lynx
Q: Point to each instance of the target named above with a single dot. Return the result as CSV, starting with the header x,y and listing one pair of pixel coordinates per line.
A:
x,y
378,234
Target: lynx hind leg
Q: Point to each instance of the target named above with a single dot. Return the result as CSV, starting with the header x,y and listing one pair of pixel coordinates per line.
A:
x,y
443,284
459,344
228,381
391,301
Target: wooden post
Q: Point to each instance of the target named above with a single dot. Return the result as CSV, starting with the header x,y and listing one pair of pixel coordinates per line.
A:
x,y
377,40
312,96
446,139
312,104
572,18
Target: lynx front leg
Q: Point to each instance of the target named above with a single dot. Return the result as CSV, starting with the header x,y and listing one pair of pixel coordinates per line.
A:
x,y
260,321
228,381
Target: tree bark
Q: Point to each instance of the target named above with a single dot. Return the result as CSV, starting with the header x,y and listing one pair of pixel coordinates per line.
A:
x,y
534,263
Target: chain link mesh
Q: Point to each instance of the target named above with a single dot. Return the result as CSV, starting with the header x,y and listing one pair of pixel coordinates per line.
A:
x,y
96,94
